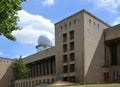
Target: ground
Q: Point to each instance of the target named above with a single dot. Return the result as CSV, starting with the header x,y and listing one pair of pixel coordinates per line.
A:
x,y
93,85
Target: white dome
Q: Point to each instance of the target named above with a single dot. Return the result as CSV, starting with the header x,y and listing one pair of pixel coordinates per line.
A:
x,y
44,41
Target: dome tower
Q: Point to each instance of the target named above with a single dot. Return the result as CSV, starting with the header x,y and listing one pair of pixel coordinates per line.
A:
x,y
43,43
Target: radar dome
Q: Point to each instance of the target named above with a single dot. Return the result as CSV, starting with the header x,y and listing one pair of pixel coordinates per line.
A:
x,y
43,43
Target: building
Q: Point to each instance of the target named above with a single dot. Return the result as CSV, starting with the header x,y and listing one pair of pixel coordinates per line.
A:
x,y
6,74
87,50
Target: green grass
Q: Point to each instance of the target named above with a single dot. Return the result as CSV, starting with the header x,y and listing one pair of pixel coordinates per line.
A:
x,y
93,85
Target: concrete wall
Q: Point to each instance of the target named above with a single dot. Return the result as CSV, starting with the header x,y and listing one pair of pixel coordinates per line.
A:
x,y
32,82
40,55
93,48
77,23
112,33
6,74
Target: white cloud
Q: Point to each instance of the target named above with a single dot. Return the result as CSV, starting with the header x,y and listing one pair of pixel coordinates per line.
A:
x,y
48,2
109,5
117,21
32,27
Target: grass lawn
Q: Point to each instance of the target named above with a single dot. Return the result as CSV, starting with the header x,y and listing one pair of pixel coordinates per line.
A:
x,y
93,85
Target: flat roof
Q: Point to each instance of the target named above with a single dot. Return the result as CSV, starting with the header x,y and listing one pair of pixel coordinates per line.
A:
x,y
86,13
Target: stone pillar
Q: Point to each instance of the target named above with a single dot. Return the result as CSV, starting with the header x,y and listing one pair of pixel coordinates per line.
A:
x,y
32,70
41,68
107,59
53,66
38,69
45,67
49,70
118,54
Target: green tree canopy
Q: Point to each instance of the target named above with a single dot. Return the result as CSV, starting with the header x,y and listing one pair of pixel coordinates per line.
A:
x,y
19,69
8,17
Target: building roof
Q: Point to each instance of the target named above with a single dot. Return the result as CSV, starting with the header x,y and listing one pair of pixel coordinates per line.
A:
x,y
86,13
40,55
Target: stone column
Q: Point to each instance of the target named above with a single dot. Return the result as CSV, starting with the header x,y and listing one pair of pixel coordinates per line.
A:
x,y
107,59
32,70
38,69
118,54
53,66
45,67
41,68
49,70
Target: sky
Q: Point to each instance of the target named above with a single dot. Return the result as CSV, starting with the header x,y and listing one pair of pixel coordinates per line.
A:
x,y
38,17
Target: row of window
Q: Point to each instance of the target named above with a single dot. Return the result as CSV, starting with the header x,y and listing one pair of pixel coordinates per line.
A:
x,y
116,76
33,83
3,61
71,48
93,23
65,57
70,79
71,69
71,36
69,24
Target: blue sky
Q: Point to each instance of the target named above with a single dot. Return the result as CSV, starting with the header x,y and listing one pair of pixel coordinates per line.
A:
x,y
38,17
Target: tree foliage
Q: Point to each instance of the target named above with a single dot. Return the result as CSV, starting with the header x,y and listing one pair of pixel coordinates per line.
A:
x,y
8,17
19,69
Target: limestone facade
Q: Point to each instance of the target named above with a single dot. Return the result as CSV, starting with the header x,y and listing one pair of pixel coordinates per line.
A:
x,y
87,51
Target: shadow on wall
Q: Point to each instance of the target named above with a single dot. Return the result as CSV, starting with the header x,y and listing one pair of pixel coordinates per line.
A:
x,y
6,80
94,73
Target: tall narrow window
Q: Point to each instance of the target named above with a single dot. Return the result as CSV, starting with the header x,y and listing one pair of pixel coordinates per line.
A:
x,y
72,68
71,46
114,54
106,76
71,35
64,37
64,58
72,58
65,48
65,69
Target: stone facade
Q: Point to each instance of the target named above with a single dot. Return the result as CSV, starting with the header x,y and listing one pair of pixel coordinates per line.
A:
x,y
87,51
6,74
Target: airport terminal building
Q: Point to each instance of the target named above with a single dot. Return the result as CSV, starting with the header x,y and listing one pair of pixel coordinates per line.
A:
x,y
87,50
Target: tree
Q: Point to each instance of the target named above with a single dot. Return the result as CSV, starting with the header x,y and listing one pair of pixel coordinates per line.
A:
x,y
8,17
19,69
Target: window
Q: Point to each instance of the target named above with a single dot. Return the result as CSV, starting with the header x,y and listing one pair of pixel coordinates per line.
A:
x,y
64,58
71,35
65,69
89,20
106,76
39,81
61,27
70,24
72,78
48,81
74,21
94,23
65,25
64,37
65,78
98,25
71,46
65,48
52,80
114,54
30,83
72,57
72,68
